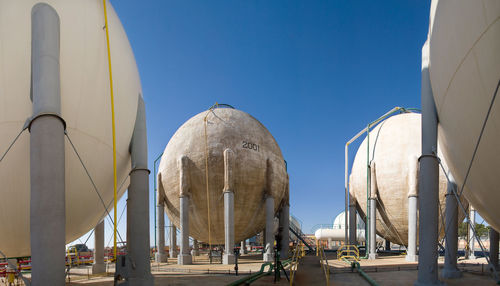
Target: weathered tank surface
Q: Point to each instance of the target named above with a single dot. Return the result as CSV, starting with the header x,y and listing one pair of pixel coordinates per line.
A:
x,y
395,145
257,170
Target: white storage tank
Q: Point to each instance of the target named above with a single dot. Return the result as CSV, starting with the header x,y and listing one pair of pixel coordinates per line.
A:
x,y
464,41
395,145
258,170
85,106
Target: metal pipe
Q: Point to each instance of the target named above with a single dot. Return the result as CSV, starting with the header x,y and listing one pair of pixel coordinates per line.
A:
x,y
450,269
429,183
373,213
47,166
155,174
138,203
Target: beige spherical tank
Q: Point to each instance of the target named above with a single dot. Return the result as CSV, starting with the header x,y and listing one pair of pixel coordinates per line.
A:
x,y
85,106
258,169
464,45
395,145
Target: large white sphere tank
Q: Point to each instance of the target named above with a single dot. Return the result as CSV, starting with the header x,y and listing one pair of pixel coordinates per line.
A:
x,y
85,103
254,149
465,71
394,144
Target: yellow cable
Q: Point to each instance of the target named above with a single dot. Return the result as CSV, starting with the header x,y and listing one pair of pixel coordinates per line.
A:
x,y
113,128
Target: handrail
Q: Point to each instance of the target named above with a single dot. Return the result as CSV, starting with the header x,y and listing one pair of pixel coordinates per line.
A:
x,y
324,264
348,251
297,254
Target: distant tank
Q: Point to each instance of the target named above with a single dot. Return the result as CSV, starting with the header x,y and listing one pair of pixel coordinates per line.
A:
x,y
395,144
258,170
464,42
85,106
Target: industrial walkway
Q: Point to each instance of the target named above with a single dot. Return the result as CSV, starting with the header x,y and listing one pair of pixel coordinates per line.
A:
x,y
310,272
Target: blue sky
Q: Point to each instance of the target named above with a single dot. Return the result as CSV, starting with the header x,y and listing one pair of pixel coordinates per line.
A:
x,y
313,72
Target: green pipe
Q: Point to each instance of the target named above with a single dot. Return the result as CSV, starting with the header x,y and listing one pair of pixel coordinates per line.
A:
x,y
253,277
355,265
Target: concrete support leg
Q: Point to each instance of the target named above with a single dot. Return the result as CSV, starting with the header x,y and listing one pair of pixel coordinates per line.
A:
x,y
429,183
184,257
372,254
450,269
284,222
173,242
372,236
138,203
228,257
387,245
494,247
269,243
472,245
353,240
243,247
161,255
330,243
411,253
98,266
47,168
196,248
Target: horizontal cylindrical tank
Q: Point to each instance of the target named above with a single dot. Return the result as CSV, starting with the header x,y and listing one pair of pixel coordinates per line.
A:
x,y
395,146
85,106
464,42
257,170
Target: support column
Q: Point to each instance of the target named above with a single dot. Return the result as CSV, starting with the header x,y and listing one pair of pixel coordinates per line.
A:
x,y
161,255
284,223
330,243
387,245
472,223
47,167
138,203
353,240
173,242
450,269
494,247
411,253
196,248
185,257
98,266
429,183
269,242
243,247
228,257
372,254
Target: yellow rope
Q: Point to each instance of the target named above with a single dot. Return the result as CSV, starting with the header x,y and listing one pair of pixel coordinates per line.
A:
x,y
113,128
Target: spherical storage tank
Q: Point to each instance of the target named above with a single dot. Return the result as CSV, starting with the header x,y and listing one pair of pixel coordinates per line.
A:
x,y
464,45
85,106
258,170
395,145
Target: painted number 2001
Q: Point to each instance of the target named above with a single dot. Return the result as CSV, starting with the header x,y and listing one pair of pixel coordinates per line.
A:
x,y
251,146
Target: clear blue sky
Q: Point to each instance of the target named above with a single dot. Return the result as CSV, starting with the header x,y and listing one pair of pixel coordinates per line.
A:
x,y
313,72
